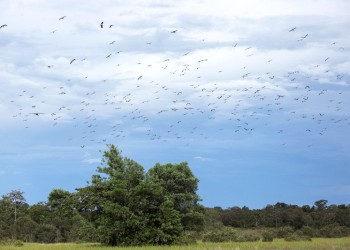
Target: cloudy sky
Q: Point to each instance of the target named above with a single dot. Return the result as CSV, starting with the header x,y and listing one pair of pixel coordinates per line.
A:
x,y
254,95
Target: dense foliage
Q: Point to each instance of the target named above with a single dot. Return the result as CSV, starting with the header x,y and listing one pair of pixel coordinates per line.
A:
x,y
124,205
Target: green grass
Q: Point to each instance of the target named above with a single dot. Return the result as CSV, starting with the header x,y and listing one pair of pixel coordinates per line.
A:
x,y
318,243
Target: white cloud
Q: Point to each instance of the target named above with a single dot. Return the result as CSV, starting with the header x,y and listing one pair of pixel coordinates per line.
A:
x,y
201,158
92,161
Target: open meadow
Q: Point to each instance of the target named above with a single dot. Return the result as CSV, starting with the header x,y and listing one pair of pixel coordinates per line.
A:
x,y
317,243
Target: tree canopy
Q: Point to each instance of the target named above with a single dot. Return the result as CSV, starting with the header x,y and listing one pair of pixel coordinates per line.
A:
x,y
130,207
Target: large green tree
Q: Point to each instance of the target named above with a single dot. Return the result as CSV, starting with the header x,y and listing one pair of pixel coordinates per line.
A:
x,y
181,186
125,207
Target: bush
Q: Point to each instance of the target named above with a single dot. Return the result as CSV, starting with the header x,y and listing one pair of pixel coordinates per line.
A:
x,y
18,243
308,231
5,241
9,242
334,231
248,236
268,236
45,234
220,236
283,232
296,237
187,238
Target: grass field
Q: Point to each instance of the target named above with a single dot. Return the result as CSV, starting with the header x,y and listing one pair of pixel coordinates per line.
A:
x,y
319,243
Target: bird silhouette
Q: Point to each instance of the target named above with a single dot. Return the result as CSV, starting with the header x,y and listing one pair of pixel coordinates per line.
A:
x,y
2,26
101,25
61,18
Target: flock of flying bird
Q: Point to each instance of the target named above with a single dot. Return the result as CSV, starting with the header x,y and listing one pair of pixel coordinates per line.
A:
x,y
165,111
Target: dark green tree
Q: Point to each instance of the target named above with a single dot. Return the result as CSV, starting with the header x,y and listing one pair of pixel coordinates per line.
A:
x,y
13,207
61,204
40,213
181,186
25,228
125,207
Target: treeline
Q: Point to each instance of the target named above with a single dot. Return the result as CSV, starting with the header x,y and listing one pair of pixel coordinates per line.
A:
x,y
124,205
281,220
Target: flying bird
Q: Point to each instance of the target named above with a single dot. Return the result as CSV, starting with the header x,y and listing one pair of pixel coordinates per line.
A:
x,y
72,61
110,26
101,25
2,26
139,77
292,29
61,18
174,31
37,114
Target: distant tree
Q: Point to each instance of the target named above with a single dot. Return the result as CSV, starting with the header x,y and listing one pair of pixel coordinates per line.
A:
x,y
45,233
321,204
61,204
6,219
212,219
25,228
40,213
17,199
13,207
81,230
342,215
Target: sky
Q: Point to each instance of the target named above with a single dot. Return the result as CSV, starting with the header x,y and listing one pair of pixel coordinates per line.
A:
x,y
254,95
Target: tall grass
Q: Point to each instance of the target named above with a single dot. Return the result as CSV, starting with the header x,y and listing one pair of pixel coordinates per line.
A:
x,y
319,243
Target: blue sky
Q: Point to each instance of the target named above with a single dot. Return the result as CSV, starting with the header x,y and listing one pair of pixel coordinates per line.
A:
x,y
254,95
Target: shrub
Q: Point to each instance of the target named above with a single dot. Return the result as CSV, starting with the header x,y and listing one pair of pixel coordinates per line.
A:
x,y
308,231
220,236
334,231
296,237
5,241
9,242
283,232
268,236
18,243
45,234
187,238
248,236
